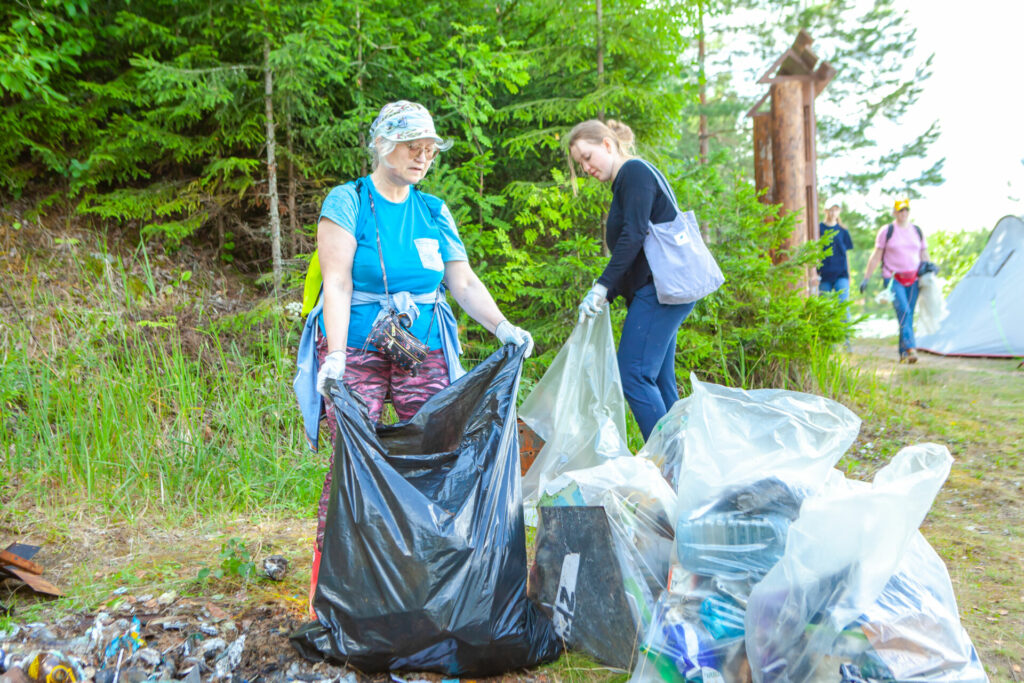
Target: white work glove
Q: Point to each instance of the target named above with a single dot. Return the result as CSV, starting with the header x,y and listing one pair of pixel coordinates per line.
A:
x,y
333,368
593,302
507,333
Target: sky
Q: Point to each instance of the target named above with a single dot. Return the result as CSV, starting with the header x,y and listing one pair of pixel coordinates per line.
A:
x,y
976,93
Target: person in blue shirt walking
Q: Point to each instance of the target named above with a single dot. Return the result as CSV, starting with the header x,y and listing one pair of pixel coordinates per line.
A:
x,y
422,255
834,271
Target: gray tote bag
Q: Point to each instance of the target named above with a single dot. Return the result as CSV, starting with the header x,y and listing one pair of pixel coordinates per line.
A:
x,y
683,268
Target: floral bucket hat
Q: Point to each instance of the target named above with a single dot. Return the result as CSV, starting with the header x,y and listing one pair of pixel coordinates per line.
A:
x,y
402,121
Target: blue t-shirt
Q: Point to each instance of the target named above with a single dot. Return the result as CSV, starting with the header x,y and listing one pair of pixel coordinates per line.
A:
x,y
835,266
417,236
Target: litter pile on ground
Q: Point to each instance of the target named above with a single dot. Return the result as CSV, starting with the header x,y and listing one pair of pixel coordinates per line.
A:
x,y
730,549
159,638
759,561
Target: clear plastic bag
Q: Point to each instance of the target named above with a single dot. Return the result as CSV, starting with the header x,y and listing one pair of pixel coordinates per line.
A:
x,y
744,462
667,442
914,629
736,437
577,407
640,506
931,305
813,611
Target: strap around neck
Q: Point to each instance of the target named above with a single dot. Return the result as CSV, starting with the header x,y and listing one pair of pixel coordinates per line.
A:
x,y
380,253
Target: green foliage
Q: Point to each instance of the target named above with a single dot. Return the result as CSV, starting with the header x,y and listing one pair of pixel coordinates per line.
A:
x,y
758,329
879,78
172,145
235,561
147,399
955,253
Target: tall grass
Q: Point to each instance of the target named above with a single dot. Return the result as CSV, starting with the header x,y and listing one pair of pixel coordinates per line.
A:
x,y
135,398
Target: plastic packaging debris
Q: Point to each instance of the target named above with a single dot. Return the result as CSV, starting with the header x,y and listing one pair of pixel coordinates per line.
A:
x,y
739,537
275,567
842,555
577,407
148,657
424,560
129,641
167,598
212,647
679,646
193,675
231,658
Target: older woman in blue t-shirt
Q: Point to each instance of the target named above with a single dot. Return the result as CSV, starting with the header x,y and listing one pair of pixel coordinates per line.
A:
x,y
420,249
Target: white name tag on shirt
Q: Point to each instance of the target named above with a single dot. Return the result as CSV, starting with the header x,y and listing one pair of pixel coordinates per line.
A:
x,y
430,253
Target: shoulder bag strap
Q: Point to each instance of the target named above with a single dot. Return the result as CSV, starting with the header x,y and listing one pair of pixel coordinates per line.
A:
x,y
888,236
384,273
380,254
662,182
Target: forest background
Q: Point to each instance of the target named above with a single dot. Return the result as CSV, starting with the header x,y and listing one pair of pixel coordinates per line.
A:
x,y
152,135
162,166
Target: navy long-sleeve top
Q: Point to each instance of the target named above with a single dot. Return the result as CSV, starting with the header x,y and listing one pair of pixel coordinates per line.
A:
x,y
637,201
835,264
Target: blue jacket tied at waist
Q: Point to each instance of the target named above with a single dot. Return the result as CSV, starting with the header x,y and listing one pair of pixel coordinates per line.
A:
x,y
404,303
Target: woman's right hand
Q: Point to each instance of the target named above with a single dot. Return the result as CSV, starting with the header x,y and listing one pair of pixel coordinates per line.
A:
x,y
333,368
593,302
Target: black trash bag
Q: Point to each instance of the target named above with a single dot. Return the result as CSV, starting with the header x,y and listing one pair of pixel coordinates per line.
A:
x,y
424,555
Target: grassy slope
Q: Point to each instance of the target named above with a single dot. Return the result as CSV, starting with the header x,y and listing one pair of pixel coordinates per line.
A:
x,y
132,522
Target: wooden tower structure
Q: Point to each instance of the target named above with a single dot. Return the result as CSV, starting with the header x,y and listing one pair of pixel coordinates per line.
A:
x,y
785,154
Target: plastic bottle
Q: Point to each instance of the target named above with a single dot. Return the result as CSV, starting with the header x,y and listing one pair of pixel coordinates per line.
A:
x,y
50,667
732,545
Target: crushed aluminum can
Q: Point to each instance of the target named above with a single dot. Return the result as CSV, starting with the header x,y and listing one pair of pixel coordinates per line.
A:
x,y
275,567
231,658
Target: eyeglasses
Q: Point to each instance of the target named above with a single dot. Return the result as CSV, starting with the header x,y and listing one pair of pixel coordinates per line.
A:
x,y
416,150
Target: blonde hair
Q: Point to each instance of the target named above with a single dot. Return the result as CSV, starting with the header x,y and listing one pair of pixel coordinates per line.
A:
x,y
595,131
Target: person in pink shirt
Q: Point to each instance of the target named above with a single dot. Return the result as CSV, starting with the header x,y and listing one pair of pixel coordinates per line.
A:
x,y
900,248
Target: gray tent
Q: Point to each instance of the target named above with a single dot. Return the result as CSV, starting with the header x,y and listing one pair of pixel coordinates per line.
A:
x,y
986,309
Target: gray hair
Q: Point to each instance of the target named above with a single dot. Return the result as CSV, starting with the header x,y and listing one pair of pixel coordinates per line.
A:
x,y
379,149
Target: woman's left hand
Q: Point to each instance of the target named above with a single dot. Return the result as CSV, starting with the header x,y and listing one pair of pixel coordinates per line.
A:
x,y
507,333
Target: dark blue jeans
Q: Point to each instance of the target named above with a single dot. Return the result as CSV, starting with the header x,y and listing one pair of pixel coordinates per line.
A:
x,y
647,350
904,301
841,285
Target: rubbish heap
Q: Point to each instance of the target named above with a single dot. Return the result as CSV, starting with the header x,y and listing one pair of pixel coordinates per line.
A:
x,y
750,558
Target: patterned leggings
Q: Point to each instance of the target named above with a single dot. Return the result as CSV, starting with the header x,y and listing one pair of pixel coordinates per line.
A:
x,y
373,377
